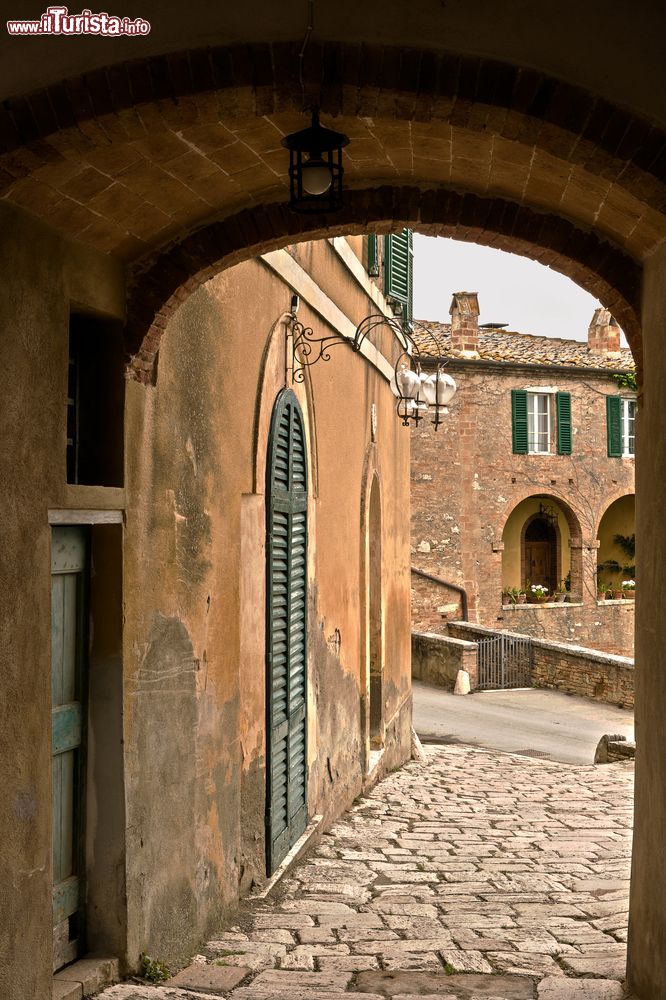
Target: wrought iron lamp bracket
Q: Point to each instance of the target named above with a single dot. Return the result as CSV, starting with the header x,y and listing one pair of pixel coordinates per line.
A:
x,y
417,393
305,350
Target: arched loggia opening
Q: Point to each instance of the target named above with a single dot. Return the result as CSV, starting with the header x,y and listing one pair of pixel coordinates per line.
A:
x,y
542,540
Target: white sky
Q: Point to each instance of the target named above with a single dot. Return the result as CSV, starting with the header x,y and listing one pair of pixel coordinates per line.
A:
x,y
529,297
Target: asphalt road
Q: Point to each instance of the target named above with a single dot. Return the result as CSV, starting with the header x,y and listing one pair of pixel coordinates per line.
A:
x,y
533,722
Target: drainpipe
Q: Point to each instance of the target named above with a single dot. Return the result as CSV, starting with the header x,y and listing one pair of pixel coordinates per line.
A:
x,y
445,583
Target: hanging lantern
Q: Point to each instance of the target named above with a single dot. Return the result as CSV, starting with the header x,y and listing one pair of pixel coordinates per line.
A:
x,y
315,168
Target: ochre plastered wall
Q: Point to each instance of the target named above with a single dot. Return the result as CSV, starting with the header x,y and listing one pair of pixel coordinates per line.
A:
x,y
47,275
647,915
194,578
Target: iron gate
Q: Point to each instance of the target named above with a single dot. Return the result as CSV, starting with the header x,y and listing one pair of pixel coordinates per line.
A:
x,y
504,661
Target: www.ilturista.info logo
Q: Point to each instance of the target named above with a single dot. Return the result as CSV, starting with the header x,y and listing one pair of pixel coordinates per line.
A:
x,y
58,21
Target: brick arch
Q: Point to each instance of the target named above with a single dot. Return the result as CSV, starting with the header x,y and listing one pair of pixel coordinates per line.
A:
x,y
609,503
575,533
159,284
575,528
131,157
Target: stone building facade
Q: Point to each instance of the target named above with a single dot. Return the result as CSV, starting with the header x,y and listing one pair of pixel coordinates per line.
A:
x,y
528,482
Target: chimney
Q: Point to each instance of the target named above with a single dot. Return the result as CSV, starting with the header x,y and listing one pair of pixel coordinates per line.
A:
x,y
603,334
465,324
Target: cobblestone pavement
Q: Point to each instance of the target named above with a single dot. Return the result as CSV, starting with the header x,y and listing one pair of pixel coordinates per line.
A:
x,y
476,874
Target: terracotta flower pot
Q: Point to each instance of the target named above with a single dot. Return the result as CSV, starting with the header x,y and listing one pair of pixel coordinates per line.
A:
x,y
522,598
629,595
617,595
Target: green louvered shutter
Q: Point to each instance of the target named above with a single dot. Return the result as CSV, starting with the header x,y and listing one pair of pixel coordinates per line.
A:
x,y
373,256
286,799
519,421
614,426
398,270
564,432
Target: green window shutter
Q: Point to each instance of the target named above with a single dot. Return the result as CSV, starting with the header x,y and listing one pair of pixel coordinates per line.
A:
x,y
614,426
398,270
519,421
373,256
564,432
286,629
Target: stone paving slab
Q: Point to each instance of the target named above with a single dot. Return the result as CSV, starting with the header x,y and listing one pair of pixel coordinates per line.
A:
x,y
469,876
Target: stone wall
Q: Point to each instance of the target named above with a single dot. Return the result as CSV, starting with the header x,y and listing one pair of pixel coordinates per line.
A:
x,y
436,659
604,625
570,669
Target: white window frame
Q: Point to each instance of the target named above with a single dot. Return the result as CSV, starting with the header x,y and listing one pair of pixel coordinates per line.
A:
x,y
534,436
628,440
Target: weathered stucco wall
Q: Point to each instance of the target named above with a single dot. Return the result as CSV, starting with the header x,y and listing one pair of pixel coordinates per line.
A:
x,y
47,274
176,776
647,920
194,579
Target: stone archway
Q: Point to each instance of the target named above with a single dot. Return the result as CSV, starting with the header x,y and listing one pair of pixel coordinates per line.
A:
x,y
568,167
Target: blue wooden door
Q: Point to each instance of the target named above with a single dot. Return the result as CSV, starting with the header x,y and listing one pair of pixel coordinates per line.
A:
x,y
286,800
69,581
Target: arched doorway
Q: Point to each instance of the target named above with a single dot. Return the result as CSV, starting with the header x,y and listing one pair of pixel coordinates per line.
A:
x,y
375,623
286,630
540,552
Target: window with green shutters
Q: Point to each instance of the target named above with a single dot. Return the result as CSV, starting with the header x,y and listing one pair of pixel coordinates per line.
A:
x,y
519,421
564,432
398,270
532,418
620,423
373,256
614,426
286,629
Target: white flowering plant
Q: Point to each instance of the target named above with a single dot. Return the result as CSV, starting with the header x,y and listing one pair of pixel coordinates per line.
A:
x,y
538,590
628,584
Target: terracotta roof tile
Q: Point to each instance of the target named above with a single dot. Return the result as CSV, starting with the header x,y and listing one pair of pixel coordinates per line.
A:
x,y
521,348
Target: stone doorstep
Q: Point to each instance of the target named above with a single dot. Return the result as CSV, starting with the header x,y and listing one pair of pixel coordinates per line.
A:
x,y
309,838
85,977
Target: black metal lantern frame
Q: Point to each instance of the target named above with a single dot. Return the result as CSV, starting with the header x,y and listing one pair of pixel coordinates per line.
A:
x,y
418,394
315,155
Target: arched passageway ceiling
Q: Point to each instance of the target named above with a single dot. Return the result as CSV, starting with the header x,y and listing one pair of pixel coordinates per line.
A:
x,y
158,285
613,49
128,158
134,159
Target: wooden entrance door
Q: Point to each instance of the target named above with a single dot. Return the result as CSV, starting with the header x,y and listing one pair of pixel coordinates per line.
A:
x,y
286,701
538,556
69,583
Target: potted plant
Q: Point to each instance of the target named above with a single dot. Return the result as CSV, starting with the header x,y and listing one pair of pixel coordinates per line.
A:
x,y
521,597
538,593
616,593
629,590
601,590
560,592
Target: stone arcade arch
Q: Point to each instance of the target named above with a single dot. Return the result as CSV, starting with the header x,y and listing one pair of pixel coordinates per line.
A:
x,y
533,148
563,538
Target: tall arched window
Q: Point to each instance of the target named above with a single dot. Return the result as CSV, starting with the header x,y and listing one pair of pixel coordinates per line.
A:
x,y
286,632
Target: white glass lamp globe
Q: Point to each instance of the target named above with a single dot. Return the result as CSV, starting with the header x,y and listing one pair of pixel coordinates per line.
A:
x,y
317,177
